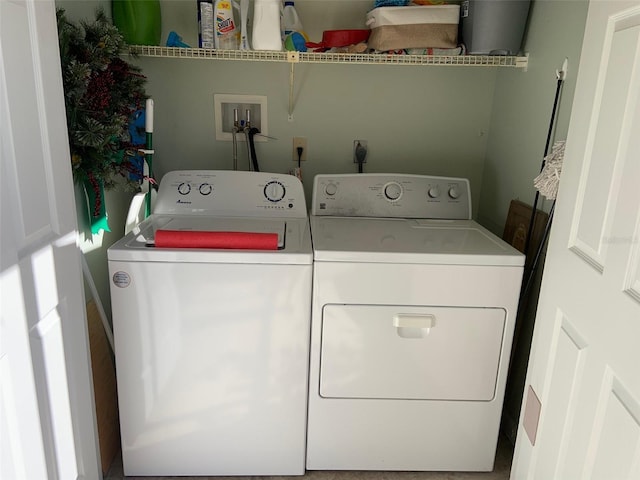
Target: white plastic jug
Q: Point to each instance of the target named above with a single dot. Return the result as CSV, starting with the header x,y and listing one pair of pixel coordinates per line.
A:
x,y
290,19
266,25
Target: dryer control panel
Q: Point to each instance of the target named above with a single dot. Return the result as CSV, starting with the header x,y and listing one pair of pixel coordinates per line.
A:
x,y
230,194
391,195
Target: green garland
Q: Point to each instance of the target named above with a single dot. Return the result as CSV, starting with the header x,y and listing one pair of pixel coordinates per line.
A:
x,y
101,92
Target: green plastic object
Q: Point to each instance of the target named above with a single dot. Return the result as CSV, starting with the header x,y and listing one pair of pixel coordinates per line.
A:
x,y
138,21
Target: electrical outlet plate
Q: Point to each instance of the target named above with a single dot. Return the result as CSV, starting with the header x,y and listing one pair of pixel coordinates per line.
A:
x,y
355,146
223,107
299,142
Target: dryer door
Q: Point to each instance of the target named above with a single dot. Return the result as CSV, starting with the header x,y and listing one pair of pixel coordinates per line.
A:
x,y
410,352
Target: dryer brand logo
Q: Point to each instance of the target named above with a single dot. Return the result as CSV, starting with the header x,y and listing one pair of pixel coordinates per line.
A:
x,y
183,202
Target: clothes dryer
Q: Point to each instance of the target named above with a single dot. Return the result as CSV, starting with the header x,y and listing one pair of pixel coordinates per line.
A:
x,y
212,344
413,316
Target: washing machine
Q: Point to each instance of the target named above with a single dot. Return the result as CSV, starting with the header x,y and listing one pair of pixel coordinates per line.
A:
x,y
413,315
211,327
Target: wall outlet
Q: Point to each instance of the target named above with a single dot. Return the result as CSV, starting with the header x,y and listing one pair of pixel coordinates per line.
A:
x,y
299,142
360,149
224,106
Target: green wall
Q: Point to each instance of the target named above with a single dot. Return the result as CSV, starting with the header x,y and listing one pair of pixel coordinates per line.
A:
x,y
522,106
415,120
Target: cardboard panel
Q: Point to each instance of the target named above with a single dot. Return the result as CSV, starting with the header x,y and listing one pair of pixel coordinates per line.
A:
x,y
104,386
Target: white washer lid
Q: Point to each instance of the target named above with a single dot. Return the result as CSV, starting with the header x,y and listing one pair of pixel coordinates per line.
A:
x,y
399,240
294,240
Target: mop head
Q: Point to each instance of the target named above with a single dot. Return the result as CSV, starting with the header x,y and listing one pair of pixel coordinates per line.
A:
x,y
547,182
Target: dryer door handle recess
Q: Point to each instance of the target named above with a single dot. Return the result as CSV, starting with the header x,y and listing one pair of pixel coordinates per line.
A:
x,y
413,325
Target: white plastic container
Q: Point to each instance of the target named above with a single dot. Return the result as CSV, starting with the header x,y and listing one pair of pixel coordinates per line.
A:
x,y
227,34
493,28
244,19
266,25
290,19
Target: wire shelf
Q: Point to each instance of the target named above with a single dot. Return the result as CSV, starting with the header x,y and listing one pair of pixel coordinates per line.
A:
x,y
344,58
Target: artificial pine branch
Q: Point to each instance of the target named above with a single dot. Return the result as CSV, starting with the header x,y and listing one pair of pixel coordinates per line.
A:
x,y
102,91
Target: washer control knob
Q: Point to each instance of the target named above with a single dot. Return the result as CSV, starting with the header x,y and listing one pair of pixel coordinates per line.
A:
x,y
393,191
205,189
274,191
331,189
454,192
184,188
434,192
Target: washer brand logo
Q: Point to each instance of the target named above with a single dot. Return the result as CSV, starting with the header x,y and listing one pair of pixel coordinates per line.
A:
x,y
183,202
121,279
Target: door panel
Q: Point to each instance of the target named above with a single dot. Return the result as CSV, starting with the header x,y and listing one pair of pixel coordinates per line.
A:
x,y
584,358
568,355
614,447
47,408
23,105
613,111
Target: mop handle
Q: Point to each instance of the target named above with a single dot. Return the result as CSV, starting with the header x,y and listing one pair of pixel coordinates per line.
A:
x,y
532,220
148,128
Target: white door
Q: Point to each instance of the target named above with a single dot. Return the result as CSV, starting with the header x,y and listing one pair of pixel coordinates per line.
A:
x,y
584,372
47,420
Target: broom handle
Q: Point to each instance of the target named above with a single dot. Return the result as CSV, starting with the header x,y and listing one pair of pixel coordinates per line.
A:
x,y
148,128
536,258
149,159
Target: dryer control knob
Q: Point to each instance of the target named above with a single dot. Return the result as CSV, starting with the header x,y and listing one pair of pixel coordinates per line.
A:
x,y
331,189
454,192
274,191
393,191
434,192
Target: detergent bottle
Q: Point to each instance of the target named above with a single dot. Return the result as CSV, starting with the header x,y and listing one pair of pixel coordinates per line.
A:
x,y
293,34
290,19
138,21
266,33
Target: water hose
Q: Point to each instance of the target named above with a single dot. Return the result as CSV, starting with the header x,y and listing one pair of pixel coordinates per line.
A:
x,y
235,150
234,131
252,148
361,154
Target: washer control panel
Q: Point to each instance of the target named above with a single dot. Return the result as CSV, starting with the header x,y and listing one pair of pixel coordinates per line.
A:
x,y
230,193
391,195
